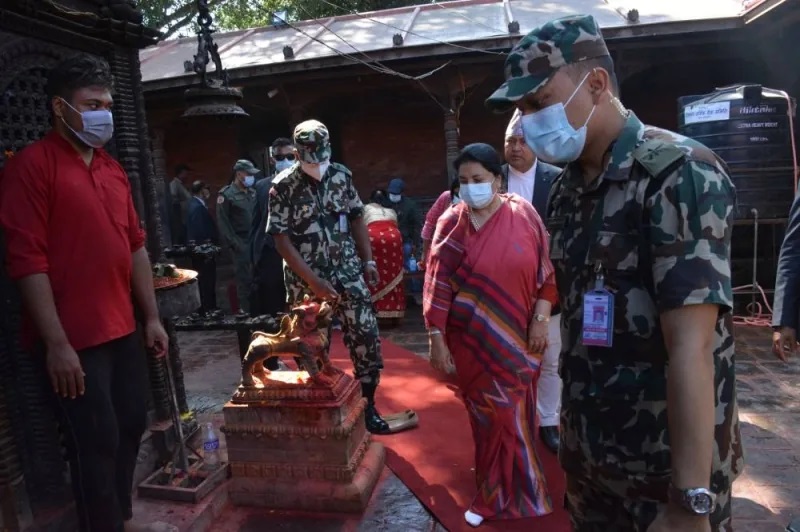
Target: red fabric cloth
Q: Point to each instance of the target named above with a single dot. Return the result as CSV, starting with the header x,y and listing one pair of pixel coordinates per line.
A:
x,y
387,251
437,209
77,224
482,290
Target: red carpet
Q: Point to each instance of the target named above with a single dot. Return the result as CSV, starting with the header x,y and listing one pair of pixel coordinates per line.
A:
x,y
435,460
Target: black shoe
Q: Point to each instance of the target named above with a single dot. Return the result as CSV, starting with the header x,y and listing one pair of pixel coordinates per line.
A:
x,y
549,436
375,423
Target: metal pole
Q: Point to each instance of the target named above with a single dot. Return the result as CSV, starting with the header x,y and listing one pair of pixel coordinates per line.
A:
x,y
755,257
183,460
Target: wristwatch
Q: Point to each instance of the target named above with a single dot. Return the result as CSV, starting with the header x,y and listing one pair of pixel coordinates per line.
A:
x,y
371,263
541,318
698,501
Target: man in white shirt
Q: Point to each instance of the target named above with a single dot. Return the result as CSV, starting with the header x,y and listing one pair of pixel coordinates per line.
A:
x,y
525,176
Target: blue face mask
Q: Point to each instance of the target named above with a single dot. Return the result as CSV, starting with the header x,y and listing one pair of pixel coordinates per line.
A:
x,y
477,195
98,126
551,137
249,180
280,166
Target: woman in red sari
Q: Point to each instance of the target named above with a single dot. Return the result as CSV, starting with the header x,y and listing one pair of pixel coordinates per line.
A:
x,y
388,296
488,294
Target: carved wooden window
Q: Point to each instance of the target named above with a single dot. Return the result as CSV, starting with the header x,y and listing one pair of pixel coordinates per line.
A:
x,y
24,112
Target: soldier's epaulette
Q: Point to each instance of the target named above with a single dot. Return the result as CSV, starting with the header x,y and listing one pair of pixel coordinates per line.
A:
x,y
280,178
342,168
223,189
659,158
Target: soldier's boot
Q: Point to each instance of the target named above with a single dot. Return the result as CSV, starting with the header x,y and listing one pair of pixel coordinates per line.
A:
x,y
373,420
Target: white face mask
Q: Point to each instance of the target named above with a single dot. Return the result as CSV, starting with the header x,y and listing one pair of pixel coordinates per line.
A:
x,y
315,170
477,195
550,135
395,198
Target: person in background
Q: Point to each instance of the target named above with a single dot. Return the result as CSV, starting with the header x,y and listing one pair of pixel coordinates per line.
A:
x,y
388,295
179,196
235,204
640,222
316,218
442,203
529,178
409,220
786,304
201,229
75,247
488,295
269,291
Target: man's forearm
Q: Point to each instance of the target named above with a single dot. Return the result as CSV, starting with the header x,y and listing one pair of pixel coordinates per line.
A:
x,y
292,257
690,393
361,237
142,284
37,297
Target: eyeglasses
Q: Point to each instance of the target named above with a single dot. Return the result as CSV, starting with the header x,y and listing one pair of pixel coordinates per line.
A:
x,y
280,157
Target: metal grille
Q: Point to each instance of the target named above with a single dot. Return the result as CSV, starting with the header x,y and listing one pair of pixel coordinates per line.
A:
x,y
23,111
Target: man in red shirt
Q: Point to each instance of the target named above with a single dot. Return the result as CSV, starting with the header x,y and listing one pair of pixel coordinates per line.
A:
x,y
76,248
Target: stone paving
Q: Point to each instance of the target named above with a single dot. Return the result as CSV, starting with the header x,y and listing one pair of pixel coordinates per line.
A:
x,y
766,496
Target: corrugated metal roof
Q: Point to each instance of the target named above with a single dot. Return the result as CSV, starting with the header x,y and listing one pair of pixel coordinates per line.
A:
x,y
465,23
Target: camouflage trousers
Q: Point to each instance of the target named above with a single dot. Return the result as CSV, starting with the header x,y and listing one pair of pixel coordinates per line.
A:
x,y
593,509
359,325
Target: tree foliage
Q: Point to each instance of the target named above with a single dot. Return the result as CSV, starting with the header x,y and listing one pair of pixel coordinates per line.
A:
x,y
179,17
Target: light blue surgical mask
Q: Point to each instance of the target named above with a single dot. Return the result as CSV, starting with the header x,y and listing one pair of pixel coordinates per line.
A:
x,y
477,195
549,134
280,166
98,126
249,180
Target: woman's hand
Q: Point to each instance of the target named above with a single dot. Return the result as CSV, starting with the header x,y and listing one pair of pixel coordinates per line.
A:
x,y
440,354
537,336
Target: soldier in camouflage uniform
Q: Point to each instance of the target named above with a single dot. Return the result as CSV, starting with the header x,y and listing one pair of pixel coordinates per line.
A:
x,y
315,216
645,214
235,204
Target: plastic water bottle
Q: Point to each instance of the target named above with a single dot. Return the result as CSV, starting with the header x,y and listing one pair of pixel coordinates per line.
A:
x,y
412,264
210,447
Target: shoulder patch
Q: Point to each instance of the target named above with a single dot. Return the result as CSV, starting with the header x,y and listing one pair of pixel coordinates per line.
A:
x,y
341,168
658,157
220,198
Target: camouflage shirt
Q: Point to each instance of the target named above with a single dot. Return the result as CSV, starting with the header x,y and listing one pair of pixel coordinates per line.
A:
x,y
316,216
235,215
659,220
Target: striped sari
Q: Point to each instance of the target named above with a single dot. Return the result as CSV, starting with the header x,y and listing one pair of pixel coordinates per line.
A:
x,y
480,289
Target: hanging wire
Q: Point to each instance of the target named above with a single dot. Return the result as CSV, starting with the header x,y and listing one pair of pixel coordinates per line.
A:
x,y
381,69
453,45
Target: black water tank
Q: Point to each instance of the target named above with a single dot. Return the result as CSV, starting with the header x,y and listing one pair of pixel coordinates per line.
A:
x,y
748,126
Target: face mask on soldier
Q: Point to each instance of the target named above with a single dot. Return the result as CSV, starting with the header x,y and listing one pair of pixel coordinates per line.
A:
x,y
315,170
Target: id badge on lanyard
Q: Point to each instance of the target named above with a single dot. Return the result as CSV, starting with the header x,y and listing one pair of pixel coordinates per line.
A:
x,y
598,313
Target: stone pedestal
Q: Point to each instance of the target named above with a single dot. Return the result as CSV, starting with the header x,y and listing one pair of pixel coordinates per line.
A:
x,y
293,445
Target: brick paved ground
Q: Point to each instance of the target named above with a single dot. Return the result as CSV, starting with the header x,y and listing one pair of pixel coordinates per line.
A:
x,y
766,497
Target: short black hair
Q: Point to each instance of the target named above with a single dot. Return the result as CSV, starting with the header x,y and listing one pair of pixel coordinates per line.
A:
x,y
377,195
280,142
199,186
78,72
482,154
576,71
181,168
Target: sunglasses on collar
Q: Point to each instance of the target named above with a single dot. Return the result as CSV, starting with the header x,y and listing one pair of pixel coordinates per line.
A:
x,y
280,157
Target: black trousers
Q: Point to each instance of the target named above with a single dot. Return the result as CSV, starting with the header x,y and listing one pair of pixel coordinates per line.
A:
x,y
269,291
206,282
102,430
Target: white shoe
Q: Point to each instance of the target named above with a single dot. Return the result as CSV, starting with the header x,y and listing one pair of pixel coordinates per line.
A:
x,y
472,518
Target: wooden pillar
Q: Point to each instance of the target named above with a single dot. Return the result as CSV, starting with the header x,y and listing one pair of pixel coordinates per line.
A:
x,y
160,174
451,139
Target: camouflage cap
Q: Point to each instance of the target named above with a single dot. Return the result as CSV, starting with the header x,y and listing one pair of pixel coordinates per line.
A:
x,y
313,142
245,166
539,55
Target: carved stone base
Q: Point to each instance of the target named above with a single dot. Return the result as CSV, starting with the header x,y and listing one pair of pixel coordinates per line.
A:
x,y
294,445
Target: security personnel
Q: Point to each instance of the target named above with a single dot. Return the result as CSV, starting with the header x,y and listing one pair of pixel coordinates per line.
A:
x,y
640,223
315,217
235,205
